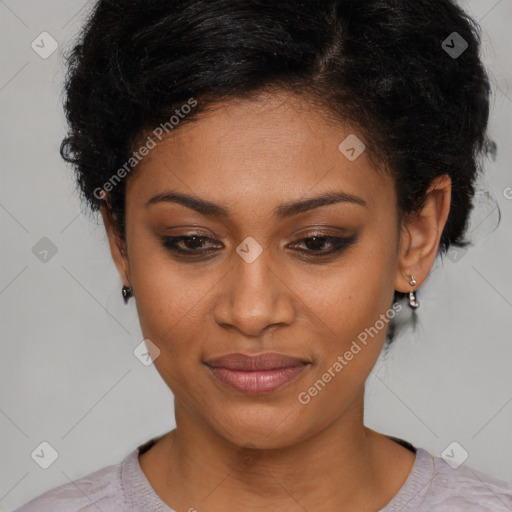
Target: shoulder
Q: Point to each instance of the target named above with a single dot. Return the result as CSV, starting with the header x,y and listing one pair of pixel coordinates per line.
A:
x,y
441,487
100,490
464,486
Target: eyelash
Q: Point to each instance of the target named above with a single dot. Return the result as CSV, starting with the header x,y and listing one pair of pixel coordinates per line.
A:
x,y
339,244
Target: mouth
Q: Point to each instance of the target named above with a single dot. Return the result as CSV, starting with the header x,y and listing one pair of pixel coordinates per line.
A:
x,y
262,373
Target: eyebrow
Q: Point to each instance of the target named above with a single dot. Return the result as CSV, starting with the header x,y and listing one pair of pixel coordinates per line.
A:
x,y
280,212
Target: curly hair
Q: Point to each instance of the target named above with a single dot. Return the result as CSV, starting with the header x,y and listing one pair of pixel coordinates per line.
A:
x,y
383,66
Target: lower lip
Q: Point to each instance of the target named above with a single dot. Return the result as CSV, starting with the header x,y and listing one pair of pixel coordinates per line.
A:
x,y
261,381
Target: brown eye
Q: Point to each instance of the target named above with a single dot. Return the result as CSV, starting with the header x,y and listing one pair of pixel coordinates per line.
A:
x,y
316,243
320,245
188,244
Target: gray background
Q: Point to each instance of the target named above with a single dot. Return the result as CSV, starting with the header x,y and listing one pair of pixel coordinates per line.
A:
x,y
68,372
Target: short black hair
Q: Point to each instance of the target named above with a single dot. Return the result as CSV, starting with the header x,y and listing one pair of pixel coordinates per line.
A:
x,y
407,74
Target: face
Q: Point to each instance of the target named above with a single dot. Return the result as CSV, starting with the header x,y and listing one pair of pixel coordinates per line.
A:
x,y
254,279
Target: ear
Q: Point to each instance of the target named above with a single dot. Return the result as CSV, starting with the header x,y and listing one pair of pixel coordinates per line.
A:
x,y
117,247
421,233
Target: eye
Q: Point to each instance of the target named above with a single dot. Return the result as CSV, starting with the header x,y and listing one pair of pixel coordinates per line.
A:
x,y
321,245
192,245
317,246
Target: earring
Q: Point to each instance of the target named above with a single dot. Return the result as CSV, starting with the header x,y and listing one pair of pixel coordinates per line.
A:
x,y
413,303
127,293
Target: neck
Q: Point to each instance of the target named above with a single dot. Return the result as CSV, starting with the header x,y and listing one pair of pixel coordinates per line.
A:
x,y
345,466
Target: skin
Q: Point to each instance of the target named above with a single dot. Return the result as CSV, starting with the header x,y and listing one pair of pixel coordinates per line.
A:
x,y
232,451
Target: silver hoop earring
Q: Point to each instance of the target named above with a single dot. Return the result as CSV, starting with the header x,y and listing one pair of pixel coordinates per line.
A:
x,y
127,293
413,303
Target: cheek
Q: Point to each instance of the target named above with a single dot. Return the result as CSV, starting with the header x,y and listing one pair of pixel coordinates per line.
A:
x,y
350,296
171,314
171,308
358,322
354,304
170,299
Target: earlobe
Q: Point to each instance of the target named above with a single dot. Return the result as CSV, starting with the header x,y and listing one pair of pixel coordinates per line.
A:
x,y
421,234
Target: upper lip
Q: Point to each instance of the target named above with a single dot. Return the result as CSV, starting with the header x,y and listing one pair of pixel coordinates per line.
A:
x,y
264,361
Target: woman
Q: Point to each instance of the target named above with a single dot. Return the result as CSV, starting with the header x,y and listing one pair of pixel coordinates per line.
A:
x,y
276,180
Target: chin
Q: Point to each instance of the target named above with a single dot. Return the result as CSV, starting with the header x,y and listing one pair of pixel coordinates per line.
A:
x,y
263,426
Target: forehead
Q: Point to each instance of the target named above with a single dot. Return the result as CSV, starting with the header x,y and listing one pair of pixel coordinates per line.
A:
x,y
256,153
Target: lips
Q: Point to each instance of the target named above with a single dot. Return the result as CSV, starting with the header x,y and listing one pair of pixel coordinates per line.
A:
x,y
260,362
262,373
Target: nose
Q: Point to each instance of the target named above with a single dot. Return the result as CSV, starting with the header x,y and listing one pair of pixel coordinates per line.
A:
x,y
255,297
